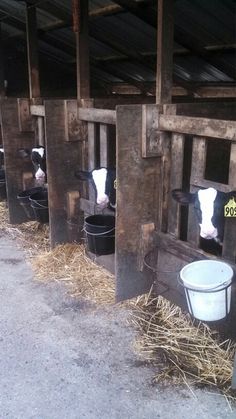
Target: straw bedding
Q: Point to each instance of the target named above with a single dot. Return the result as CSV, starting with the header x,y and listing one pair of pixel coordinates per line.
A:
x,y
187,351
191,351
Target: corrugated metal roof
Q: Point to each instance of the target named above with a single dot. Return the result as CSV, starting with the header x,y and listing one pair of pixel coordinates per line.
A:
x,y
125,42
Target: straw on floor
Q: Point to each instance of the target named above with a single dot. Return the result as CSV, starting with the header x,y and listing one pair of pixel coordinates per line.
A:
x,y
70,264
191,351
187,351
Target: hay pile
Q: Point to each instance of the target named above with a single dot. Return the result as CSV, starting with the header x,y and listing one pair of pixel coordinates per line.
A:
x,y
32,236
69,263
191,350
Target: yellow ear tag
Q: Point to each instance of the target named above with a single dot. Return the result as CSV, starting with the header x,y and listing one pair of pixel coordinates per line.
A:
x,y
115,184
230,208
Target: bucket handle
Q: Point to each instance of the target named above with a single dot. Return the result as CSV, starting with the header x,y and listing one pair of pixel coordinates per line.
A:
x,y
181,282
39,205
99,234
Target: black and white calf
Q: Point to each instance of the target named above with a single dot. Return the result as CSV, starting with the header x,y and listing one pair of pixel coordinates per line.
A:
x,y
38,158
209,208
103,181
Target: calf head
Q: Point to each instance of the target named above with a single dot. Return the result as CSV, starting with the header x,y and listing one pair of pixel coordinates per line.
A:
x,y
103,182
209,209
38,158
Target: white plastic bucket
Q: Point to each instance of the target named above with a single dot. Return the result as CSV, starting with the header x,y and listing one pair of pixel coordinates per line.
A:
x,y
207,285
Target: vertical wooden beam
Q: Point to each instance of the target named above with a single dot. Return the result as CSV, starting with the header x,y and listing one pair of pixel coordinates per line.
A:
x,y
197,174
165,38
229,248
103,145
138,198
176,179
63,158
2,86
16,168
91,155
32,51
80,27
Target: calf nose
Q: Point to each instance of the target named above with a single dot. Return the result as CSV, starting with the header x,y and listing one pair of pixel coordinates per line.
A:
x,y
208,232
102,200
40,174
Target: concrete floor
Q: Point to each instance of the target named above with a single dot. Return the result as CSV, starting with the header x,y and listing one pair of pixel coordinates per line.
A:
x,y
64,358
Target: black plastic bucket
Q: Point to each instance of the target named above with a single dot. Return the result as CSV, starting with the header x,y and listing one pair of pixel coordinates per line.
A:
x,y
100,231
24,201
39,203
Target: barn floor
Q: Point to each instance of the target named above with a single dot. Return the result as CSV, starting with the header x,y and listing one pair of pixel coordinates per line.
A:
x,y
66,358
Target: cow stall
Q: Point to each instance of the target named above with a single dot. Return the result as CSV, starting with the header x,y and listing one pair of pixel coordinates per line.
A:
x,y
156,140
152,160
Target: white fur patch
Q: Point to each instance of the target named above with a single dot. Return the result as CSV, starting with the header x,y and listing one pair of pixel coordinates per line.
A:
x,y
1,150
39,150
99,178
206,198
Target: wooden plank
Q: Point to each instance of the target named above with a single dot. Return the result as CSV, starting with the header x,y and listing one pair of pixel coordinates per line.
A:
x,y
165,180
103,116
151,138
146,243
233,383
63,158
75,129
210,109
197,172
165,40
2,77
229,243
24,115
80,19
16,168
138,200
91,156
176,179
32,51
203,127
37,110
103,145
180,248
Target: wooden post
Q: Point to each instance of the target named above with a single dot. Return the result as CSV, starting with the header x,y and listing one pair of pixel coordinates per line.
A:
x,y
138,198
63,159
80,27
165,38
2,89
32,51
2,86
17,169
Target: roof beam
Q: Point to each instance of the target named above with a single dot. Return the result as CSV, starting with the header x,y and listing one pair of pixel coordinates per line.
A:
x,y
183,38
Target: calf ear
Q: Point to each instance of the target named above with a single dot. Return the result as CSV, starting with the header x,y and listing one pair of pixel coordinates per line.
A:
x,y
83,175
230,195
184,198
23,152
